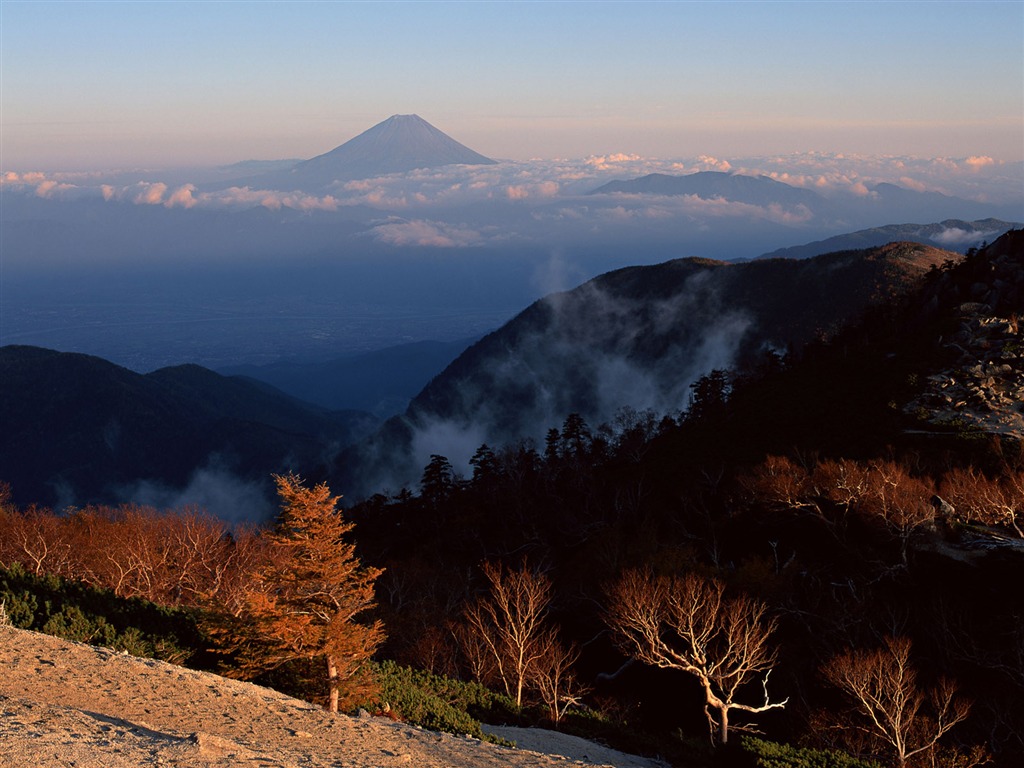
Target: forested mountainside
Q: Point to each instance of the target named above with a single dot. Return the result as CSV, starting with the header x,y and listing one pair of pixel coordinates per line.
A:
x,y
78,429
636,337
875,529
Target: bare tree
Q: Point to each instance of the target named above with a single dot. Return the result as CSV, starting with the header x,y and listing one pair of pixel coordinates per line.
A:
x,y
991,501
882,492
901,501
509,624
686,623
37,539
475,651
554,680
894,713
782,483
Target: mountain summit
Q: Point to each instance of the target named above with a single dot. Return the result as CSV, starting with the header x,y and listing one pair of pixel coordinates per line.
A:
x,y
399,144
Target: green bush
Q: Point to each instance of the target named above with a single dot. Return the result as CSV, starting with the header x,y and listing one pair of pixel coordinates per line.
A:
x,y
768,754
76,611
437,703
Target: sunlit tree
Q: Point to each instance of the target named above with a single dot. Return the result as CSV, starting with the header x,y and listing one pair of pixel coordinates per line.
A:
x,y
687,623
304,601
893,711
507,631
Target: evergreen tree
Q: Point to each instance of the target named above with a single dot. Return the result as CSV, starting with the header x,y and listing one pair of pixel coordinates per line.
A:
x,y
302,604
438,480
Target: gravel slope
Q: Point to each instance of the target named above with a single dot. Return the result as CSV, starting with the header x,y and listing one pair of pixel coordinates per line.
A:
x,y
69,704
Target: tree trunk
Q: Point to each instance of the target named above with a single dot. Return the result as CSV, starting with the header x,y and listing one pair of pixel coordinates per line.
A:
x,y
332,681
723,727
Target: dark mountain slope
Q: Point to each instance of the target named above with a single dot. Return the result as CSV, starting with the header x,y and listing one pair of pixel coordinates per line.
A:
x,y
78,429
641,335
935,374
637,337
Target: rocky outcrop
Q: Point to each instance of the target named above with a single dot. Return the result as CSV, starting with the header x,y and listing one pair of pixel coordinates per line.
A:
x,y
983,387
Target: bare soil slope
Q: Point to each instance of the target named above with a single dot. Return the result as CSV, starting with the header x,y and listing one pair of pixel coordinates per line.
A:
x,y
68,704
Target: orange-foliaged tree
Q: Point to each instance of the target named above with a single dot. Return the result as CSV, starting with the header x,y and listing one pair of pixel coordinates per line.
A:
x,y
304,601
992,501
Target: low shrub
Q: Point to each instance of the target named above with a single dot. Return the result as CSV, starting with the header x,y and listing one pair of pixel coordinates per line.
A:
x,y
769,754
76,611
437,703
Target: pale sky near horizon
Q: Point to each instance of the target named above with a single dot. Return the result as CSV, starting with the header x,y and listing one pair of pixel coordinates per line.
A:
x,y
99,85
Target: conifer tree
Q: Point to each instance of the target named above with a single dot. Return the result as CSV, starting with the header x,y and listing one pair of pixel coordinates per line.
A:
x,y
304,601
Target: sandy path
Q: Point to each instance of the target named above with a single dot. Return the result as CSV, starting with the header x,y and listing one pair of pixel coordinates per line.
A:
x,y
68,704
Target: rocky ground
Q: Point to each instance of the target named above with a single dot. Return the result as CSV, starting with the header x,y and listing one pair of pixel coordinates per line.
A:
x,y
68,704
984,390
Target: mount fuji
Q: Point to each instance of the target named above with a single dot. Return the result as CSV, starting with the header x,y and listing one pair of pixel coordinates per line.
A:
x,y
399,144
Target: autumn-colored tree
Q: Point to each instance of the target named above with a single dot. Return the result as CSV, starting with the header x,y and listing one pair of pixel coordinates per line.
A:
x,y
993,501
172,557
899,500
782,483
686,623
883,493
37,539
121,549
302,604
894,713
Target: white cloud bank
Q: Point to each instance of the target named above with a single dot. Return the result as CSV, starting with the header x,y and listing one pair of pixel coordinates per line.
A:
x,y
547,202
421,232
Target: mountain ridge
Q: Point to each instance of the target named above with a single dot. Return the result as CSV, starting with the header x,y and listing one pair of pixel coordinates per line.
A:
x,y
79,429
637,337
708,185
954,234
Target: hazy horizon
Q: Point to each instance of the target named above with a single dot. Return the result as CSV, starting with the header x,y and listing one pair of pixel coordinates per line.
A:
x,y
130,230
94,85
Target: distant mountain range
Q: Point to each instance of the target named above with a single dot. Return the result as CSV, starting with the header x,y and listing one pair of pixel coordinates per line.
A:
x,y
708,185
78,429
954,234
894,201
400,144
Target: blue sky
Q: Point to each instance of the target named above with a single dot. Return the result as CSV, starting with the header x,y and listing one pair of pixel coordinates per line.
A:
x,y
90,85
